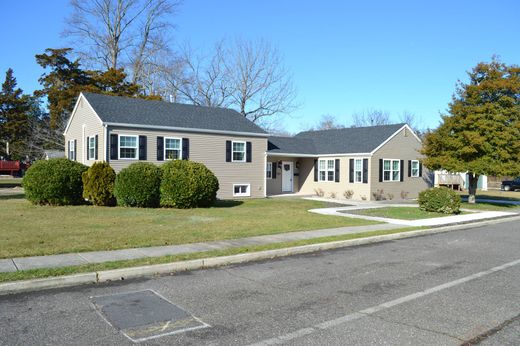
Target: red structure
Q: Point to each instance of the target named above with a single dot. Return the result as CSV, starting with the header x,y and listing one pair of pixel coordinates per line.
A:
x,y
10,166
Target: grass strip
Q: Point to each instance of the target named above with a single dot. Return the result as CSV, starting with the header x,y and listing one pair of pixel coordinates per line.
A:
x,y
53,272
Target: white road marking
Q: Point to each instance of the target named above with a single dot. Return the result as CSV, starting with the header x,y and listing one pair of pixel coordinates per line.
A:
x,y
363,313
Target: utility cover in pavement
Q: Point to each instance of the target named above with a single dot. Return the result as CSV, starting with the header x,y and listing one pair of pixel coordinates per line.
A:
x,y
145,315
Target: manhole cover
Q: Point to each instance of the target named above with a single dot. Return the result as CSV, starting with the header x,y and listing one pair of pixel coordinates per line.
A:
x,y
145,315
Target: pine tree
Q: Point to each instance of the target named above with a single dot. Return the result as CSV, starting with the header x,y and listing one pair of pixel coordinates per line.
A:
x,y
481,133
14,117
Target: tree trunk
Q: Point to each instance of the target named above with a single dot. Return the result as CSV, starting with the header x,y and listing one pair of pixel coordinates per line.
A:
x,y
472,187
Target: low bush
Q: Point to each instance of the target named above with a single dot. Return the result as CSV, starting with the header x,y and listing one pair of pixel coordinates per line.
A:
x,y
348,194
98,184
319,192
187,184
440,200
54,182
138,185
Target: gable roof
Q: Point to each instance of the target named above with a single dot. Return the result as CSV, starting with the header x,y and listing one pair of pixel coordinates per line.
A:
x,y
118,110
336,141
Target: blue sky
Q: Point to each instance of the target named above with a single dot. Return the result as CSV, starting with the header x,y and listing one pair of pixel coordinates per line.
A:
x,y
345,56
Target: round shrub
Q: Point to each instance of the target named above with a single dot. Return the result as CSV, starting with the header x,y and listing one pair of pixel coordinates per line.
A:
x,y
54,182
440,200
138,185
98,184
187,184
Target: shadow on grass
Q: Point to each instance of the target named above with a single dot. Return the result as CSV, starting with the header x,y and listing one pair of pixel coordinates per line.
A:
x,y
227,204
12,196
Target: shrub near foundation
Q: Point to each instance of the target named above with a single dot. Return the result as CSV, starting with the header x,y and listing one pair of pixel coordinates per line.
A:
x,y
98,184
54,182
440,200
187,184
138,185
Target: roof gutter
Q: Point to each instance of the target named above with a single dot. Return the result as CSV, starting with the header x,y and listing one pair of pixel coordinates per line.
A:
x,y
318,155
188,129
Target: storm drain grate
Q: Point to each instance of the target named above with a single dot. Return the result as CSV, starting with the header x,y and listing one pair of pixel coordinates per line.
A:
x,y
145,315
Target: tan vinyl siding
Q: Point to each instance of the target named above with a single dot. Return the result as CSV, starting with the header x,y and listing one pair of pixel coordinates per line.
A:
x,y
404,146
209,149
274,186
83,124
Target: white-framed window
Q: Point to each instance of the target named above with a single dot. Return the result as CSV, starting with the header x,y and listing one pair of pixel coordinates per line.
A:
x,y
415,169
241,190
269,170
326,170
172,148
91,150
391,170
128,147
358,170
238,151
71,150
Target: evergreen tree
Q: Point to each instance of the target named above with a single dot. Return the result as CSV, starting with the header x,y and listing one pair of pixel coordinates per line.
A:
x,y
481,133
14,118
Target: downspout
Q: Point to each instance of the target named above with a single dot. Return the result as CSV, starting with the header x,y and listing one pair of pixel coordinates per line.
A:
x,y
105,137
265,176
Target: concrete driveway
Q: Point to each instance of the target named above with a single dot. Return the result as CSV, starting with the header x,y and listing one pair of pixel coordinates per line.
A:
x,y
443,289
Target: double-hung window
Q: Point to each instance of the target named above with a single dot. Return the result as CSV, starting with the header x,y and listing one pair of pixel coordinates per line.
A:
x,y
172,148
127,147
71,150
91,148
358,171
415,169
269,170
326,170
239,151
391,170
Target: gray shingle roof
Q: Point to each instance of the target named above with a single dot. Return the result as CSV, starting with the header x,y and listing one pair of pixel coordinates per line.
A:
x,y
126,110
335,141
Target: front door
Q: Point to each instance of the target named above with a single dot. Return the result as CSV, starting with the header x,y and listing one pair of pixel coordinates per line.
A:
x,y
287,176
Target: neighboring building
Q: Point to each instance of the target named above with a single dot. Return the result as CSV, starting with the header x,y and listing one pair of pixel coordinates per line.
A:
x,y
364,161
246,161
52,154
458,181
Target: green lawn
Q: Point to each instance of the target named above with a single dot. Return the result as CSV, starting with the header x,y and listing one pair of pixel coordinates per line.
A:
x,y
491,206
10,182
29,230
497,195
402,213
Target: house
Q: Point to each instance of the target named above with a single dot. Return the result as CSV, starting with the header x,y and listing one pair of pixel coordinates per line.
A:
x,y
457,181
245,159
363,162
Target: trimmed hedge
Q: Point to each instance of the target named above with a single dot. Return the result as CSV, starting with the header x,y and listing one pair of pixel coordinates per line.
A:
x,y
138,185
98,184
187,184
440,200
54,182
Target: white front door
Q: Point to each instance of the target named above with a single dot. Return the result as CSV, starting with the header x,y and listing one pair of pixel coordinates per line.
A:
x,y
287,176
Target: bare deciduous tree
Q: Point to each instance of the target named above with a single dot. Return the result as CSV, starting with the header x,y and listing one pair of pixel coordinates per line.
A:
x,y
370,117
120,33
328,122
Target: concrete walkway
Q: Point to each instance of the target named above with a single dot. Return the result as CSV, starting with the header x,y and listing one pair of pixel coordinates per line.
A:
x,y
73,259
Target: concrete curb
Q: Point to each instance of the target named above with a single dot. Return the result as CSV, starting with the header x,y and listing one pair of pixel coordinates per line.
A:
x,y
205,263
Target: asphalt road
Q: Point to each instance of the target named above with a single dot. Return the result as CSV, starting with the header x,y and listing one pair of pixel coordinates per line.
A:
x,y
444,289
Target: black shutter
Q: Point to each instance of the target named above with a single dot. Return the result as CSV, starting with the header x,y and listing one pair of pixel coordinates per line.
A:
x,y
75,149
96,147
142,147
113,146
249,151
402,170
336,171
87,146
185,149
274,168
380,170
228,151
351,170
315,170
160,148
409,168
365,171
420,169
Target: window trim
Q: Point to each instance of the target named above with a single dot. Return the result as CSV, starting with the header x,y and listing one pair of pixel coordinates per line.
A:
x,y
270,170
245,194
71,149
418,168
327,170
392,171
164,148
360,170
93,157
233,151
119,147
